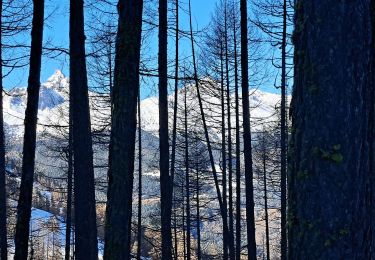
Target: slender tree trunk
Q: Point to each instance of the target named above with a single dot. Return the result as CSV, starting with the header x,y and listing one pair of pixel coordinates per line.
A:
x,y
166,186
206,135
331,176
283,138
199,248
251,243
3,196
174,131
264,163
68,229
175,233
174,134
187,181
238,150
110,69
183,221
123,133
230,166
29,144
74,242
139,231
223,154
84,188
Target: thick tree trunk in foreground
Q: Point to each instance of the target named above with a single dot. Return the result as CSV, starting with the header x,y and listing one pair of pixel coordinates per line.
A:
x,y
331,180
84,188
29,144
123,134
251,246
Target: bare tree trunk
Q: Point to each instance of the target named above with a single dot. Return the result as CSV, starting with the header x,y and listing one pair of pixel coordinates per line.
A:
x,y
331,176
139,231
223,154
264,163
175,233
174,130
166,186
3,196
238,150
84,187
207,138
283,137
174,134
29,144
199,246
230,167
251,245
187,181
68,229
123,135
183,221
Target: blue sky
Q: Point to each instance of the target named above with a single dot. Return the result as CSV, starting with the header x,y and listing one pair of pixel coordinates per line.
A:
x,y
56,32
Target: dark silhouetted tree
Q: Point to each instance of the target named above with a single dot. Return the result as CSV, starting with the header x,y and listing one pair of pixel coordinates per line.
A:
x,y
29,145
123,134
331,177
84,186
251,243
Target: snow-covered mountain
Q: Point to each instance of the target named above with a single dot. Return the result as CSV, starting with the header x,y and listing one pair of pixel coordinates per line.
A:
x,y
53,111
54,95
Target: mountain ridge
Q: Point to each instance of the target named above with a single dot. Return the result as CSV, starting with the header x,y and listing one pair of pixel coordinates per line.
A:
x,y
54,97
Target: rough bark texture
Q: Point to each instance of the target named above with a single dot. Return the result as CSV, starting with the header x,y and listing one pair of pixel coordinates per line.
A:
x,y
123,134
84,188
251,246
165,179
31,115
331,180
3,200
